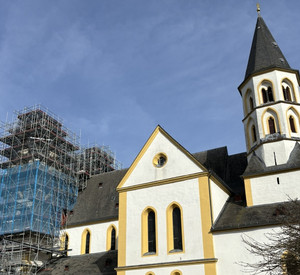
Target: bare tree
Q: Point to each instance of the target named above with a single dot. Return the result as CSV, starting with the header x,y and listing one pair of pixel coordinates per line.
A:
x,y
280,253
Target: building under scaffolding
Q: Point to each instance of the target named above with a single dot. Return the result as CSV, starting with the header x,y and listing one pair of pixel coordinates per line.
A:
x,y
40,167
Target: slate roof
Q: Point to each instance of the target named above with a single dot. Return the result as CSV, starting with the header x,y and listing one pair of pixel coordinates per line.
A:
x,y
88,264
265,52
227,168
98,203
235,215
257,166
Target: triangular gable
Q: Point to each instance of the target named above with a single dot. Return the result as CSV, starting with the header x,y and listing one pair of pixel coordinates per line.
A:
x,y
179,161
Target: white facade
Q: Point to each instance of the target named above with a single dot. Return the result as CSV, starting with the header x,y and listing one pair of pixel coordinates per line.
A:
x,y
98,237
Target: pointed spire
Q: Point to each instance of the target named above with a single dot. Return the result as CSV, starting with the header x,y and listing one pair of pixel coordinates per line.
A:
x,y
265,52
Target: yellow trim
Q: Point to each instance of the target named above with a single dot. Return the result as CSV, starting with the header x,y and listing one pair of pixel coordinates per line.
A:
x,y
270,110
206,221
243,84
177,263
245,101
178,271
121,272
91,223
63,241
296,123
248,129
150,273
259,90
108,237
248,192
170,237
162,182
122,230
144,243
156,159
157,130
83,240
290,83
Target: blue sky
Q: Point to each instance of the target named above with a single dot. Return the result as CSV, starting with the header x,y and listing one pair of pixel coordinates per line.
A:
x,y
114,69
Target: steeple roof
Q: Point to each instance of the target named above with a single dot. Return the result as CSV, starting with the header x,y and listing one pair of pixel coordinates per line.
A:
x,y
265,52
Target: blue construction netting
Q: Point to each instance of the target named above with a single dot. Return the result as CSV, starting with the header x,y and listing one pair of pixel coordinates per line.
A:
x,y
35,197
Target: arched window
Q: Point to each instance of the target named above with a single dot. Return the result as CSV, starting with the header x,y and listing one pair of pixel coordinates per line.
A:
x,y
85,242
151,232
254,139
176,272
292,124
66,242
272,128
267,95
251,104
270,94
148,232
111,237
177,234
264,95
174,228
286,93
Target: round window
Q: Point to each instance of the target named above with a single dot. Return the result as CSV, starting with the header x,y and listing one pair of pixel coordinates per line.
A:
x,y
160,160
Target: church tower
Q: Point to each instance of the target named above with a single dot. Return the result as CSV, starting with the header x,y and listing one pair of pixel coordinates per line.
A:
x,y
271,100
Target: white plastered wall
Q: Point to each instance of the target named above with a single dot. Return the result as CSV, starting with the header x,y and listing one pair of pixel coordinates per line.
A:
x,y
230,249
185,269
218,197
185,193
178,163
281,113
98,237
266,189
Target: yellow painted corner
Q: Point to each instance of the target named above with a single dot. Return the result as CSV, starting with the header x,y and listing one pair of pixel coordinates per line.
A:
x,y
122,230
248,192
205,208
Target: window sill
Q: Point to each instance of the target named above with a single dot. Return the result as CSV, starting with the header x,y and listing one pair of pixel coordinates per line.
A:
x,y
174,251
150,254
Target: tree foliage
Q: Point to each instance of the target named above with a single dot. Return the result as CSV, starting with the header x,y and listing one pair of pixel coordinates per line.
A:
x,y
280,253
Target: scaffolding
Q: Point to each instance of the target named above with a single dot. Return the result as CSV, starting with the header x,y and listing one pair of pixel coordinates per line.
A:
x,y
41,168
94,160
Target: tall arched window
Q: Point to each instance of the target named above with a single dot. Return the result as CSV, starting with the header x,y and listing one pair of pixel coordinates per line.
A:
x,y
149,232
66,242
113,239
270,94
286,93
85,242
251,104
175,228
292,124
177,234
253,134
267,94
264,95
272,128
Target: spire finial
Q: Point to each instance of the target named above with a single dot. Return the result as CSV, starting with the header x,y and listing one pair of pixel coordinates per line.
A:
x,y
258,8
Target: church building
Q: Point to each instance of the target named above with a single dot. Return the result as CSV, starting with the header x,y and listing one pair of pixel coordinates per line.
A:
x,y
173,212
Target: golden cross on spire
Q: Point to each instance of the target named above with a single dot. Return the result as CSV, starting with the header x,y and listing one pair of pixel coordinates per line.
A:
x,y
258,8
